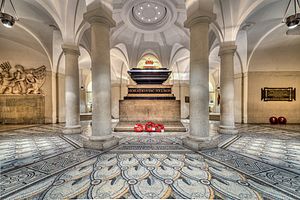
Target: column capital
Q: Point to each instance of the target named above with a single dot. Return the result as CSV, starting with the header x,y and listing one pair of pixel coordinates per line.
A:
x,y
99,15
227,48
199,18
70,49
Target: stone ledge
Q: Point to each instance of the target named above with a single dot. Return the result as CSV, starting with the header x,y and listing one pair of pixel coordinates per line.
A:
x,y
228,130
197,145
100,144
72,130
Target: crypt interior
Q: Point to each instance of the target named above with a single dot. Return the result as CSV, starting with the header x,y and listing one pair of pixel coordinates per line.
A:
x,y
152,99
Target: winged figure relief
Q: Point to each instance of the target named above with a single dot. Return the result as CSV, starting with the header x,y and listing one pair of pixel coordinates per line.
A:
x,y
21,81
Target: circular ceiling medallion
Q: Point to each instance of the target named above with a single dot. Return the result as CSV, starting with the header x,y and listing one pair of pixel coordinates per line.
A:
x,y
149,12
149,15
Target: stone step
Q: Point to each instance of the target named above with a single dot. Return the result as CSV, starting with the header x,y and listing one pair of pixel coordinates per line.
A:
x,y
169,126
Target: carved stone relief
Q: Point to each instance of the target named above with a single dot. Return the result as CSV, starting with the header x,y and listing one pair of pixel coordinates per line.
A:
x,y
21,81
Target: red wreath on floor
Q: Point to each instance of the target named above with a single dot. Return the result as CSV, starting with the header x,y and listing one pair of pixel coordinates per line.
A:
x,y
273,120
159,128
149,127
138,128
282,120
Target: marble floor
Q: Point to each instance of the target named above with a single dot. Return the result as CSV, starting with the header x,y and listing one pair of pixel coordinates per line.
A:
x,y
261,162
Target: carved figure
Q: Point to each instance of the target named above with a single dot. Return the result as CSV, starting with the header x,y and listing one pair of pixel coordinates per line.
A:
x,y
35,79
7,83
22,81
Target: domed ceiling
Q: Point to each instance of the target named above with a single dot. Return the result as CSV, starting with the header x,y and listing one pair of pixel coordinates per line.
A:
x,y
149,13
149,26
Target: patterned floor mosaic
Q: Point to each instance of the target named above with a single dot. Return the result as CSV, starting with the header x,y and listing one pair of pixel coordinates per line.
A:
x,y
279,152
276,131
151,176
261,163
279,178
19,151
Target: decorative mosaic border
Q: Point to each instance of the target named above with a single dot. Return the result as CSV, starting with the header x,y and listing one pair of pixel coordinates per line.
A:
x,y
23,177
280,179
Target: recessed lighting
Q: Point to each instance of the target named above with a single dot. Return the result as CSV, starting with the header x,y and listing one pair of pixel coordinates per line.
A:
x,y
156,7
155,18
139,13
142,8
148,5
142,18
158,13
149,20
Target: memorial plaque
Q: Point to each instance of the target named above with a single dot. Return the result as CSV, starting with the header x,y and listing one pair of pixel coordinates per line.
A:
x,y
187,99
149,90
278,94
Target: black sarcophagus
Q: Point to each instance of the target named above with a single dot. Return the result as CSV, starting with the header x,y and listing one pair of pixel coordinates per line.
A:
x,y
149,76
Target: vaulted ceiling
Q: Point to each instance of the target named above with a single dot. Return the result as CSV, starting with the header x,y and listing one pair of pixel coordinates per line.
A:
x,y
155,28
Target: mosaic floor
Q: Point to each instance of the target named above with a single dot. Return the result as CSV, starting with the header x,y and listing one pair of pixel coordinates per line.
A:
x,y
41,163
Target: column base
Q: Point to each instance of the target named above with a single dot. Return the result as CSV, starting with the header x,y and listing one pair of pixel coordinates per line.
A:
x,y
100,143
72,130
227,130
199,143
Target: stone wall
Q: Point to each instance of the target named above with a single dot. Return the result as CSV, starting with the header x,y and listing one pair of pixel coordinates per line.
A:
x,y
22,109
260,111
149,110
181,91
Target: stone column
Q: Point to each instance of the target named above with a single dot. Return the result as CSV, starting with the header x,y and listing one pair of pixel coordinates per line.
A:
x,y
101,22
72,89
226,53
199,80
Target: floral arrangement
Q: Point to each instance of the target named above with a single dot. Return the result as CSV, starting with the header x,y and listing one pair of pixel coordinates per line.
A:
x,y
149,62
149,127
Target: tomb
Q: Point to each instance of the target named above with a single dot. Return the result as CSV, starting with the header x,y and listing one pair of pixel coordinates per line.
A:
x,y
149,99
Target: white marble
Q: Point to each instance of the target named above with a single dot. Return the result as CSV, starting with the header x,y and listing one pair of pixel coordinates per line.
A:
x,y
101,22
199,75
226,54
72,89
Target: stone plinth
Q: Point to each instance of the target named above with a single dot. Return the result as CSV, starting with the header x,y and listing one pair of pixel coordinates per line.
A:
x,y
149,110
154,103
22,109
149,103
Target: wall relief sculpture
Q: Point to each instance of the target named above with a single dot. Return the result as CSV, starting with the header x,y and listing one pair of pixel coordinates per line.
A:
x,y
21,81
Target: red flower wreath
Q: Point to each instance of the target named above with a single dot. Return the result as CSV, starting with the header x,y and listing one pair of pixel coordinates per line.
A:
x,y
138,128
149,127
159,128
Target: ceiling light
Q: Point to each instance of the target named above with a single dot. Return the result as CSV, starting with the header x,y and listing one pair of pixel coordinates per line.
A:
x,y
292,21
156,7
149,20
139,13
7,20
158,13
148,5
155,18
142,8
